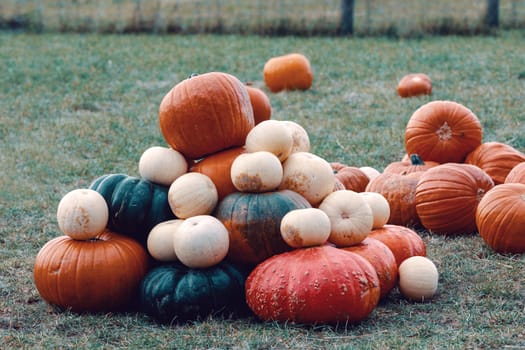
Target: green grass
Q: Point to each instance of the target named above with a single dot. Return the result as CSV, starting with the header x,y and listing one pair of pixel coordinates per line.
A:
x,y
73,107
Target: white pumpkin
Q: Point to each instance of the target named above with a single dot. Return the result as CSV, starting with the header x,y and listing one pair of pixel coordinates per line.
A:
x,y
372,173
162,165
160,240
192,194
418,278
259,171
380,207
201,241
351,218
82,214
271,136
301,140
305,227
309,175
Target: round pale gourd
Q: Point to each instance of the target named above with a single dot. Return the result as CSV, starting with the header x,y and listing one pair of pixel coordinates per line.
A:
x,y
192,194
351,218
82,214
257,172
380,207
371,172
301,140
305,227
271,136
162,165
201,241
418,278
160,240
309,175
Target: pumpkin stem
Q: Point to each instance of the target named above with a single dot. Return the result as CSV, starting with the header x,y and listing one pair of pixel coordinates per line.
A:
x,y
415,159
193,75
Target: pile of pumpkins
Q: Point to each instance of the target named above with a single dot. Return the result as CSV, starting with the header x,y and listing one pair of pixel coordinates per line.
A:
x,y
237,216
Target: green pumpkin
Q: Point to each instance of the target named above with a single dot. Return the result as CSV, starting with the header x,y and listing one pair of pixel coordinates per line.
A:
x,y
135,205
253,221
172,293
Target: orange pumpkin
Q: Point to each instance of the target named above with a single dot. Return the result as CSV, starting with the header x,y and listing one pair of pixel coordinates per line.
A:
x,y
402,241
382,259
98,275
412,165
262,109
205,114
400,193
447,197
443,131
288,72
217,167
496,159
500,218
517,174
352,178
414,84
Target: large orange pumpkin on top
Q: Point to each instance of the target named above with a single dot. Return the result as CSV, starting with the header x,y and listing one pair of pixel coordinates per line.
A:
x,y
443,131
447,197
205,114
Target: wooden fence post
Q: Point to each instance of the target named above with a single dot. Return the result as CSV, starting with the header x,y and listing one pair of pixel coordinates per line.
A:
x,y
492,16
347,17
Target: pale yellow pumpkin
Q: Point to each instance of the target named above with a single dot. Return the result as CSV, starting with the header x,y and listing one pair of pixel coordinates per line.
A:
x,y
301,140
257,172
160,240
162,165
351,219
305,227
380,207
82,214
271,136
192,194
201,241
309,175
418,278
371,172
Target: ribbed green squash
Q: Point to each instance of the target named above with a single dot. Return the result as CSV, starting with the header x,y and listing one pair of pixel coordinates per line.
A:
x,y
253,221
135,205
172,293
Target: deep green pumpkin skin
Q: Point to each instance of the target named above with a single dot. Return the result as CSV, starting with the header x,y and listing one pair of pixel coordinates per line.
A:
x,y
253,221
135,205
172,293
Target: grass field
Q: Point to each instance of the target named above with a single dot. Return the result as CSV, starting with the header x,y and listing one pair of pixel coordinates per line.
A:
x,y
74,107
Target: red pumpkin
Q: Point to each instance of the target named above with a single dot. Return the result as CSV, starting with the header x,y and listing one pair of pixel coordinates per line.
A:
x,y
443,131
382,259
414,84
217,167
400,193
205,114
98,275
517,174
262,109
321,284
496,159
500,218
447,196
402,241
412,165
352,178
